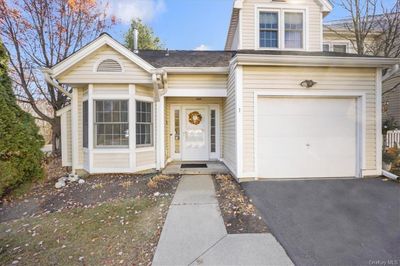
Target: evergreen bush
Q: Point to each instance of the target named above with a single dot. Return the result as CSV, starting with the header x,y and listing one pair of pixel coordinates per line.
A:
x,y
20,142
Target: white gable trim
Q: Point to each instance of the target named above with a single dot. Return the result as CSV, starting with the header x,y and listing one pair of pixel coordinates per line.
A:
x,y
92,47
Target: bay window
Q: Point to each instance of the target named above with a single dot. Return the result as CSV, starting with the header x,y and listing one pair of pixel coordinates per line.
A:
x,y
144,124
111,124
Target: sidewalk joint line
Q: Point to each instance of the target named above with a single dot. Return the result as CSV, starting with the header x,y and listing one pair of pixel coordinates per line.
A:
x,y
204,252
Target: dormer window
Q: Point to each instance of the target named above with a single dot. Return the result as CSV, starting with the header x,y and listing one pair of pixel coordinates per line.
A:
x,y
109,65
281,29
269,29
293,30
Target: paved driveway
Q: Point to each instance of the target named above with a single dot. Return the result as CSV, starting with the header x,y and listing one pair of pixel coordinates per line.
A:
x,y
332,222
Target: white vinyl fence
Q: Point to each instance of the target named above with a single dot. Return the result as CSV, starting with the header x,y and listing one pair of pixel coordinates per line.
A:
x,y
393,138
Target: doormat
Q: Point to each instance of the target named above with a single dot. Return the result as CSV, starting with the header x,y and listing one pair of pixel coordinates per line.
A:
x,y
193,165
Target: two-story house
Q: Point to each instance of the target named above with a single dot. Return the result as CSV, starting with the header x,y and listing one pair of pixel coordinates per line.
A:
x,y
271,105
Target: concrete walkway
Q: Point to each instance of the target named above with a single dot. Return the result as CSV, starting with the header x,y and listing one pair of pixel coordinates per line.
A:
x,y
194,232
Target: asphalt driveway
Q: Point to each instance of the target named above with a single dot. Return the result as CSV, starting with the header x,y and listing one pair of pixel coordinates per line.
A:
x,y
332,222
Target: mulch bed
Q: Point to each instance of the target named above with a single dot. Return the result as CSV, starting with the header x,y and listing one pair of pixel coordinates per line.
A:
x,y
238,212
44,198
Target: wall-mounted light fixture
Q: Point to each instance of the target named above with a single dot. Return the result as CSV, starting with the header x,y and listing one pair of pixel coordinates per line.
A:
x,y
308,83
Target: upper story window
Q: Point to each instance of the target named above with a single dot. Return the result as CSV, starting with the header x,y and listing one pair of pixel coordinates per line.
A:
x,y
340,48
294,30
269,29
281,29
109,65
335,47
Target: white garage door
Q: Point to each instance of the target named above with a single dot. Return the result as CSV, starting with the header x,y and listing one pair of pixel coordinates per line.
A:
x,y
306,137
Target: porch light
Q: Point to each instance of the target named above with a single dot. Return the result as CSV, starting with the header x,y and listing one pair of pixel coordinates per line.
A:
x,y
308,83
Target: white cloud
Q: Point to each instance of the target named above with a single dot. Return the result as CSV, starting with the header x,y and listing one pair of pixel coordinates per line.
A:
x,y
126,10
202,47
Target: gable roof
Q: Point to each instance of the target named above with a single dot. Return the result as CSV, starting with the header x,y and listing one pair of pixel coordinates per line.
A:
x,y
103,39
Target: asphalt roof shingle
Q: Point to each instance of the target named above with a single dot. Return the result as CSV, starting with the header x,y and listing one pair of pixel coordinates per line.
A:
x,y
178,58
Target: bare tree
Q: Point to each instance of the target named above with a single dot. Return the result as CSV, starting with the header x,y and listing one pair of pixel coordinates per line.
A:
x,y
41,33
360,24
388,25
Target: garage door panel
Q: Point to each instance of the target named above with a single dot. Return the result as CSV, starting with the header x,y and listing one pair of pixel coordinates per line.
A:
x,y
292,143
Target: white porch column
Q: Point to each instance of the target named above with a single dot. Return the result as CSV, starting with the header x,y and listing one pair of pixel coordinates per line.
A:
x,y
239,120
90,125
74,128
160,134
132,127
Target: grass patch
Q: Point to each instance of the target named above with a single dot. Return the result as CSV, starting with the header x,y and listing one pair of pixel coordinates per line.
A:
x,y
122,232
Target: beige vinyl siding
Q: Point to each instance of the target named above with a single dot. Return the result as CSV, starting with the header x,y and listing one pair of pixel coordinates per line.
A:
x,y
392,99
110,89
197,81
111,160
84,71
188,101
229,125
145,158
144,91
249,27
80,127
265,78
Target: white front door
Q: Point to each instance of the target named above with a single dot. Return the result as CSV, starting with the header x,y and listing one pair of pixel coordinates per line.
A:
x,y
195,140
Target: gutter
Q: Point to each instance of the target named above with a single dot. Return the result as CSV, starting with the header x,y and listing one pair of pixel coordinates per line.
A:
x,y
391,72
312,60
49,79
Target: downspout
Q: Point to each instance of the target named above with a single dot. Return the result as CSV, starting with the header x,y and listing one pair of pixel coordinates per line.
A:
x,y
47,77
159,79
391,72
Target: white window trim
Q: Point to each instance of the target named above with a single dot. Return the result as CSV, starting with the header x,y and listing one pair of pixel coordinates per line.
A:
x,y
108,147
281,9
217,153
332,43
105,57
148,100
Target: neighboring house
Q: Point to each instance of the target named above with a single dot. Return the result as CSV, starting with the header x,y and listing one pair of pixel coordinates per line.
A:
x,y
272,105
44,127
337,39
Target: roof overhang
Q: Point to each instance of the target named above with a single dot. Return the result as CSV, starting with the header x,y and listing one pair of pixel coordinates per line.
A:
x,y
326,6
103,39
315,61
197,70
63,110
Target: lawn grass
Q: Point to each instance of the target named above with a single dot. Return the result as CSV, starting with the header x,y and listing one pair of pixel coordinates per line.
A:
x,y
123,232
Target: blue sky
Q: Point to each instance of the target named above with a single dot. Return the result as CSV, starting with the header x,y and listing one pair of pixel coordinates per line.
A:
x,y
186,24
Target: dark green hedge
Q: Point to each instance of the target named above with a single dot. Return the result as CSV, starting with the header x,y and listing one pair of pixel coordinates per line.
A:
x,y
20,142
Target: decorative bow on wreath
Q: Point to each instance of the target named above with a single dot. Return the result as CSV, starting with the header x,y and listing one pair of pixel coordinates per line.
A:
x,y
195,118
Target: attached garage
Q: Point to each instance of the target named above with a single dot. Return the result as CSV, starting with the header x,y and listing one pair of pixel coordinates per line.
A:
x,y
306,137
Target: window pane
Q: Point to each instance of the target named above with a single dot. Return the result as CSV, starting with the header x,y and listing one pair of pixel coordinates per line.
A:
x,y
294,30
269,29
339,48
268,20
112,123
325,47
177,131
144,122
213,130
85,125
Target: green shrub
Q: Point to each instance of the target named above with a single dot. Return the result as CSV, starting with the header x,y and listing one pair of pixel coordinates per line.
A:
x,y
20,142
